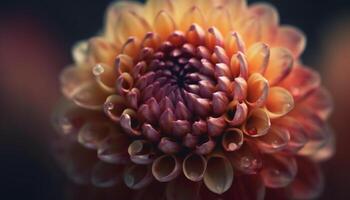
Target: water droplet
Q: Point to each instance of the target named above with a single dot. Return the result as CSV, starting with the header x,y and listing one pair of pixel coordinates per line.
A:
x,y
98,70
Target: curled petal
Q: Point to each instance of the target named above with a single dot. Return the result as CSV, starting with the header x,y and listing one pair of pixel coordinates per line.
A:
x,y
280,65
258,89
106,175
232,139
196,34
92,134
80,52
137,176
124,83
236,113
205,145
151,40
105,76
234,44
247,159
90,96
258,56
166,168
199,127
72,78
181,111
291,38
133,98
124,63
114,149
131,47
240,89
129,122
219,103
222,69
225,85
275,140
166,120
190,140
141,152
194,166
181,128
168,146
214,38
257,124
150,133
221,55
216,126
279,102
114,107
309,182
278,170
239,65
164,24
218,176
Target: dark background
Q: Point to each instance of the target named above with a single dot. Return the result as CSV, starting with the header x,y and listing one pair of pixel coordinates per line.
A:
x,y
38,35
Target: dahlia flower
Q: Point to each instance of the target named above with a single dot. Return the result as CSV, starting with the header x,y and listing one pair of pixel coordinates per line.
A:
x,y
203,91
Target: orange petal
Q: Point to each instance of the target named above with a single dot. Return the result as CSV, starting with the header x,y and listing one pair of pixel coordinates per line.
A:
x,y
193,16
275,140
219,17
113,14
258,56
164,24
291,38
234,44
301,81
258,89
102,51
90,95
268,17
126,24
280,65
279,102
257,124
72,78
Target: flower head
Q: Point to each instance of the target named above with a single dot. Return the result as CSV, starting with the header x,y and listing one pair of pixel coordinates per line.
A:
x,y
212,90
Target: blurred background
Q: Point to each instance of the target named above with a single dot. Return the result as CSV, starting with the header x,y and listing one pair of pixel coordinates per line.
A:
x,y
36,37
